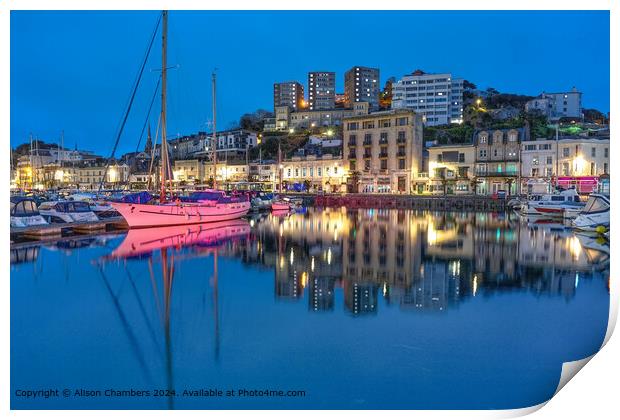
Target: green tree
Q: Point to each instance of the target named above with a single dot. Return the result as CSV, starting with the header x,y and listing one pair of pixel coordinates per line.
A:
x,y
255,121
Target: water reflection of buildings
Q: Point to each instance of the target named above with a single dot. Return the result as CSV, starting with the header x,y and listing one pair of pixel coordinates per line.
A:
x,y
321,295
379,252
304,251
416,260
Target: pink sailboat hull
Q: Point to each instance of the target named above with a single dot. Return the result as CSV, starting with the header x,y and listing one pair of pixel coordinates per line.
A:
x,y
157,215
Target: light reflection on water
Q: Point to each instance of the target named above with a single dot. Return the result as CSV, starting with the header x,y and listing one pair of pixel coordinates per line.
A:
x,y
359,308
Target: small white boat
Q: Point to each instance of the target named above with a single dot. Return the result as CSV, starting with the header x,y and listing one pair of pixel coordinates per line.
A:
x,y
25,213
565,204
595,215
262,201
67,212
101,207
524,209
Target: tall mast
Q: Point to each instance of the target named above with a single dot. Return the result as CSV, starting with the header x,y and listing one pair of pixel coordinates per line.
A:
x,y
164,144
31,164
62,145
214,138
280,166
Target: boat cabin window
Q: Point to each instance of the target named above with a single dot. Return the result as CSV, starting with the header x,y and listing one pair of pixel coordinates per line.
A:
x,y
595,204
79,207
25,208
73,207
557,198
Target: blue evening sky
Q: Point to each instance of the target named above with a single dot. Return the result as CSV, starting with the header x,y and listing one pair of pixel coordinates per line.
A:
x,y
73,71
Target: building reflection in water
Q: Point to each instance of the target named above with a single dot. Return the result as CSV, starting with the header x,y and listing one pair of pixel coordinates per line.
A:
x,y
420,261
326,260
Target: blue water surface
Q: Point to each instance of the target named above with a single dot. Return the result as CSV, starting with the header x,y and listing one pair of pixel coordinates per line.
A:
x,y
359,309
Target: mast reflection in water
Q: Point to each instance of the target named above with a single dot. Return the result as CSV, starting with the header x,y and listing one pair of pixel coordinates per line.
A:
x,y
358,308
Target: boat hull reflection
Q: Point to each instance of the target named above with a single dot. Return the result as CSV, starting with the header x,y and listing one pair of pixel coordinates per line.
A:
x,y
144,241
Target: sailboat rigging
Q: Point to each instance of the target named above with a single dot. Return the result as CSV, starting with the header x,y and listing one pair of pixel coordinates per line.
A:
x,y
140,210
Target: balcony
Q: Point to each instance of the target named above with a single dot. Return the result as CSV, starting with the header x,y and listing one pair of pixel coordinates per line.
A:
x,y
401,154
352,142
383,141
401,140
367,142
352,154
498,173
367,155
383,155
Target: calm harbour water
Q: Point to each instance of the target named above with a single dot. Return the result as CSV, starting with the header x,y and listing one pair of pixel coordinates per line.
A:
x,y
357,308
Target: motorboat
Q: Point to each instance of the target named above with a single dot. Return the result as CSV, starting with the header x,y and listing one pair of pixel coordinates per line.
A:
x,y
564,204
101,207
66,211
262,201
141,211
281,204
523,208
595,215
25,212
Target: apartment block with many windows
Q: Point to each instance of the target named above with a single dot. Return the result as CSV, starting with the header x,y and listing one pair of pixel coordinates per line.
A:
x,y
437,97
289,94
383,151
362,84
321,90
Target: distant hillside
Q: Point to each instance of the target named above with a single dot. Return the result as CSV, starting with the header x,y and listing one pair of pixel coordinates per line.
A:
x,y
268,149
